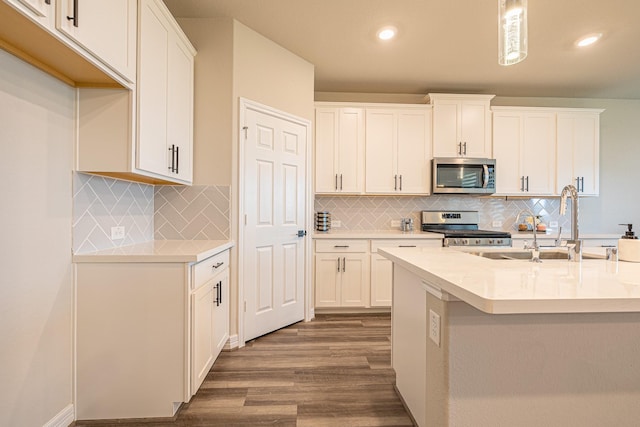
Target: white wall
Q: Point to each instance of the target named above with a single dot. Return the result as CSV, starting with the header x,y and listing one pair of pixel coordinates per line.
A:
x,y
36,139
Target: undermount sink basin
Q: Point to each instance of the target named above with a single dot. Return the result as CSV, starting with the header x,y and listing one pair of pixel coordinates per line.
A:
x,y
526,255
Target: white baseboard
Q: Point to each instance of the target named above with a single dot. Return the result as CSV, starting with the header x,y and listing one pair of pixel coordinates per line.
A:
x,y
232,343
64,418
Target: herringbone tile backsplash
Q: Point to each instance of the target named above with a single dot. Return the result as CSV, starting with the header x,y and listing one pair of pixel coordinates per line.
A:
x,y
196,212
376,213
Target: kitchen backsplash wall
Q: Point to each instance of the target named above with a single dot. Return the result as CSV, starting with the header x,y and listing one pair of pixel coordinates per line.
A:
x,y
100,203
376,213
195,212
146,212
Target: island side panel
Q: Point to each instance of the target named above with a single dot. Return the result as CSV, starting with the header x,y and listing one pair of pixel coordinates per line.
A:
x,y
552,370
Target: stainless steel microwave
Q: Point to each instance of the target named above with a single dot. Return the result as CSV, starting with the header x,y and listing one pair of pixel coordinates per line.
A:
x,y
462,175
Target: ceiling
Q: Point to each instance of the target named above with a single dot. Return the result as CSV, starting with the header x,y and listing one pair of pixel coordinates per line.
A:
x,y
447,45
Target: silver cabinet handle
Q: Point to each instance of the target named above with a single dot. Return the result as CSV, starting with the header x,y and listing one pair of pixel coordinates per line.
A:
x,y
400,182
527,183
341,181
522,183
338,264
395,182
465,148
582,184
336,181
459,148
177,159
74,18
340,246
407,246
218,265
578,183
344,264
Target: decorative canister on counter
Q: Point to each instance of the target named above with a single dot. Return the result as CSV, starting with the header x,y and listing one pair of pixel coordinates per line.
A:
x,y
323,221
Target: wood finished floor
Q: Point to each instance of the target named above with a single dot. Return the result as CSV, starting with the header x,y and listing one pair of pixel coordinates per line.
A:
x,y
332,371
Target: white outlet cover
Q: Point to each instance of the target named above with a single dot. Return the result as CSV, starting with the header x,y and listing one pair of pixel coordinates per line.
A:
x,y
496,224
117,232
434,327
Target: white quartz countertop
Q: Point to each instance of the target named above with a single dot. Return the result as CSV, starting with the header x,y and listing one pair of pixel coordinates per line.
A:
x,y
514,286
565,235
375,234
158,251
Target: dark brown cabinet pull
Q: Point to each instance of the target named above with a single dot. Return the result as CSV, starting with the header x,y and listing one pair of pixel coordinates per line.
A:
x,y
73,18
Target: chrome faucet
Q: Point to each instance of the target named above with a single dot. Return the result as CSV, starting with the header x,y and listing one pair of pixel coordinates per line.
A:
x,y
535,249
574,244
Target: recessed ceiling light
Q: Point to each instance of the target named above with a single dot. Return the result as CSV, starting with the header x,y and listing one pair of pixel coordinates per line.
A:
x,y
588,40
387,33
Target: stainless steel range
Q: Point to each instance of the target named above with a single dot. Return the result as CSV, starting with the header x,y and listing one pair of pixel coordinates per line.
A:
x,y
460,228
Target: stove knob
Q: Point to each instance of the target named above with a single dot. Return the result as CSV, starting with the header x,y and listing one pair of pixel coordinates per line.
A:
x,y
491,241
465,241
499,242
477,241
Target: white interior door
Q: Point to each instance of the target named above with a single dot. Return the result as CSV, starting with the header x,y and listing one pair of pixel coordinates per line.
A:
x,y
275,183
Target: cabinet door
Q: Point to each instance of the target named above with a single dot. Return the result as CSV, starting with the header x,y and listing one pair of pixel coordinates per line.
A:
x,y
221,314
40,11
180,108
474,129
446,135
507,137
327,280
326,143
152,151
106,28
538,153
413,151
354,283
381,281
381,151
202,351
578,139
350,165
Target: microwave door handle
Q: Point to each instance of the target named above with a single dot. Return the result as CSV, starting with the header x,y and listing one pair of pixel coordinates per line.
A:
x,y
485,176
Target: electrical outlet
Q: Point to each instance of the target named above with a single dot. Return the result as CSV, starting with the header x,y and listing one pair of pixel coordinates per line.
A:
x,y
336,223
117,233
395,223
496,224
434,327
553,224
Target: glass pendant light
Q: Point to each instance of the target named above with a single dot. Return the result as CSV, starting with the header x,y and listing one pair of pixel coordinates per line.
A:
x,y
512,31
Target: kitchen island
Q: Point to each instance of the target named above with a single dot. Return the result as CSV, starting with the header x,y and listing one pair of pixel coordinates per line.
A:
x,y
486,342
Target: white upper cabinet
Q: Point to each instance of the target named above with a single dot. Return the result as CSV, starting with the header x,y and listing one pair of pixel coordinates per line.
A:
x,y
165,95
578,139
339,150
40,11
524,143
398,150
461,125
105,28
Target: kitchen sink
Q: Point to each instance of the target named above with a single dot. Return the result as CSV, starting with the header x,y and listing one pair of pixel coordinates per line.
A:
x,y
526,255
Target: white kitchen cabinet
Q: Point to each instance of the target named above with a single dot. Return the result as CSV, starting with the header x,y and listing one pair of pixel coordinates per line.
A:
x,y
578,150
144,135
40,11
382,268
165,94
339,149
342,273
147,333
210,315
461,125
106,28
524,144
398,150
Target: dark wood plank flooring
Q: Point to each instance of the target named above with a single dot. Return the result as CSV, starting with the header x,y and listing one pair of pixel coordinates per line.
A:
x,y
332,371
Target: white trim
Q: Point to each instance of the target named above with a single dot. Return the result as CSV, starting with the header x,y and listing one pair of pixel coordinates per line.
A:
x,y
63,418
244,105
232,343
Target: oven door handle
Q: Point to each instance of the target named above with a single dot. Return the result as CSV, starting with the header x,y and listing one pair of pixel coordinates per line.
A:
x,y
485,176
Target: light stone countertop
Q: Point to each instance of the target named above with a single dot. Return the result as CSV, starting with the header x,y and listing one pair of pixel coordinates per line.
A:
x,y
514,286
375,234
158,251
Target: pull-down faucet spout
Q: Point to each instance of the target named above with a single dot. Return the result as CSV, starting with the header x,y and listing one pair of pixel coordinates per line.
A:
x,y
575,244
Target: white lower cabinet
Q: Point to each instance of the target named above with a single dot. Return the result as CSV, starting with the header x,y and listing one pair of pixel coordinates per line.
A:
x,y
342,273
351,273
147,334
209,315
382,268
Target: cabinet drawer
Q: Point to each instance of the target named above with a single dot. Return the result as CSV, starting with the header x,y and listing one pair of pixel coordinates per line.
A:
x,y
395,243
342,246
208,268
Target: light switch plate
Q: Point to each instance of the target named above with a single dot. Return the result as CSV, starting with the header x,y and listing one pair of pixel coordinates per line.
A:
x,y
434,327
117,233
